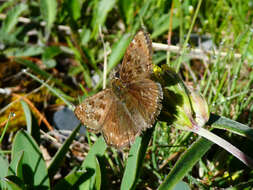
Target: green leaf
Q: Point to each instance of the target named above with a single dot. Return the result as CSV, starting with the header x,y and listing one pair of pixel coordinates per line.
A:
x,y
220,122
24,51
50,63
185,163
90,163
90,175
127,10
162,25
118,51
33,165
75,7
85,35
182,186
16,164
12,18
28,116
48,10
61,153
101,10
71,181
14,183
135,160
4,166
98,176
50,52
6,4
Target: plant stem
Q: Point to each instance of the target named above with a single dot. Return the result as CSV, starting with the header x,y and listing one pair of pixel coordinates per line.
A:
x,y
226,145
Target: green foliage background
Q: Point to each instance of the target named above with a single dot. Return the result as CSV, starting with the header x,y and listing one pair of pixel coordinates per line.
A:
x,y
59,42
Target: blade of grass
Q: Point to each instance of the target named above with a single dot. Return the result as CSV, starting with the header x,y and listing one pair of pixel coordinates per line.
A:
x,y
224,123
185,163
96,151
43,73
135,161
101,10
12,18
226,145
6,127
58,157
28,116
71,106
188,36
48,10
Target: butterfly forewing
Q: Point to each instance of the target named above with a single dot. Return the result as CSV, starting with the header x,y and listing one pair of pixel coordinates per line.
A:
x,y
92,112
137,62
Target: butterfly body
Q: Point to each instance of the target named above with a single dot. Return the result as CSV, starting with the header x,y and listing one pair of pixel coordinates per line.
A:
x,y
133,101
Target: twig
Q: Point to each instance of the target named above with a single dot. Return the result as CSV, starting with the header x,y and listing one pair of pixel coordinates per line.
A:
x,y
193,53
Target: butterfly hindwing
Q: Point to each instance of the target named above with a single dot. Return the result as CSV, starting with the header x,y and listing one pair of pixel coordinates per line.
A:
x,y
143,100
119,128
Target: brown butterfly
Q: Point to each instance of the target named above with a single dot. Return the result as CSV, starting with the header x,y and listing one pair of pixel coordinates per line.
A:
x,y
132,102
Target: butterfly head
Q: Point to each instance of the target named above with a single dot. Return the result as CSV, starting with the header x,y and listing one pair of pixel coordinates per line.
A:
x,y
118,87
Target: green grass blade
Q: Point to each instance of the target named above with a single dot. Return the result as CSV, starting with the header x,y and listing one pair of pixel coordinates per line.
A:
x,y
12,18
5,128
224,123
185,163
98,176
4,171
70,181
48,10
75,7
53,90
89,164
59,156
163,24
12,185
14,168
126,9
102,8
135,160
4,166
28,116
181,186
188,36
43,73
31,50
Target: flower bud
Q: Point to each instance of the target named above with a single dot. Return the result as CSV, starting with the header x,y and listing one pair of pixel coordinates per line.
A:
x,y
182,107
